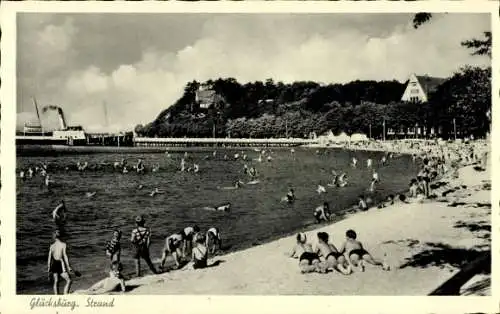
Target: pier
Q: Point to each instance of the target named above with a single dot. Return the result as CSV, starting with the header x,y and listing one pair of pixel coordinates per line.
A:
x,y
221,142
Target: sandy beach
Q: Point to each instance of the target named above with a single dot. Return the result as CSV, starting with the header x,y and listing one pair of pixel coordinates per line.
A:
x,y
424,243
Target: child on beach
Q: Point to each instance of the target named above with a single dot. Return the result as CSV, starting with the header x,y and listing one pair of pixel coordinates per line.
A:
x,y
332,258
357,255
200,252
308,259
112,282
362,203
322,213
113,247
172,247
188,236
213,240
58,263
140,238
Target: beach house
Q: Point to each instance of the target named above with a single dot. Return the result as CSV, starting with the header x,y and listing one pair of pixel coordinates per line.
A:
x,y
418,88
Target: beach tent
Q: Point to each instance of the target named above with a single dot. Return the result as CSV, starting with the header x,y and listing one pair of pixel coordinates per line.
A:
x,y
358,137
342,137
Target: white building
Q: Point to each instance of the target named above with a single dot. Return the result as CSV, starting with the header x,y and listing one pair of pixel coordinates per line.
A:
x,y
418,88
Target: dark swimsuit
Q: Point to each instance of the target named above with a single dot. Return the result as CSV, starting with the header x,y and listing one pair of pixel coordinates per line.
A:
x,y
359,252
334,254
309,256
56,267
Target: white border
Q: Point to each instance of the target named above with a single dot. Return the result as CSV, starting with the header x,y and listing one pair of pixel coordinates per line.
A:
x,y
11,303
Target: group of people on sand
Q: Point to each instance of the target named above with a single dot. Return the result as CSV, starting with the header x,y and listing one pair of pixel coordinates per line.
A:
x,y
325,257
189,244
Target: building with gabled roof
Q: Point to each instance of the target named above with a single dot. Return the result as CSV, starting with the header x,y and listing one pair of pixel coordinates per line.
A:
x,y
419,87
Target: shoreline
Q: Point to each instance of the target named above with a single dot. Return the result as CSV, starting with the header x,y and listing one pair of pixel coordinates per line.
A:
x,y
149,284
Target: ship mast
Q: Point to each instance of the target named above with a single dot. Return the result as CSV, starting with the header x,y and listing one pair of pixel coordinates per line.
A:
x,y
105,113
37,113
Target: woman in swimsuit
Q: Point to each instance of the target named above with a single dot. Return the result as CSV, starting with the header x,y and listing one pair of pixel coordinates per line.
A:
x,y
308,260
333,259
357,254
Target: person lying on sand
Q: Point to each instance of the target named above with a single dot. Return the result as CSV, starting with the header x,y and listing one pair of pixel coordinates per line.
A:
x,y
322,213
308,260
357,254
199,255
172,247
332,258
112,282
213,240
388,201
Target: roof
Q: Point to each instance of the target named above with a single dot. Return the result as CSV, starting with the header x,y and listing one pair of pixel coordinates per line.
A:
x,y
430,84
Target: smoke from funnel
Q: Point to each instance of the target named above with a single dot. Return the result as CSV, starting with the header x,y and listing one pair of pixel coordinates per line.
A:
x,y
59,110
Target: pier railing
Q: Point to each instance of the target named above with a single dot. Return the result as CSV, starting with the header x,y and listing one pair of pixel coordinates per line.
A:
x,y
221,142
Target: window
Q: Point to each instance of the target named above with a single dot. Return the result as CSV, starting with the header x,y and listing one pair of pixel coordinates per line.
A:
x,y
413,84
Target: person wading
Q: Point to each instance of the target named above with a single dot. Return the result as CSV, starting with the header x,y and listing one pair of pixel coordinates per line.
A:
x,y
140,238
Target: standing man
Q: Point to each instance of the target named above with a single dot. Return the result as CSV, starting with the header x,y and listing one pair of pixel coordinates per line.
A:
x,y
140,238
58,263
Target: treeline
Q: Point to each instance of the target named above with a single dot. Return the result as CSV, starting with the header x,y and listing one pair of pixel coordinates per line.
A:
x,y
274,109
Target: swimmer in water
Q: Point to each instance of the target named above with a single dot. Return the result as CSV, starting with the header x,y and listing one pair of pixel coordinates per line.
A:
x,y
290,196
196,168
140,166
30,172
183,165
155,192
125,170
375,176
383,160
369,163
252,172
354,162
320,189
236,185
221,208
59,213
269,158
372,185
48,182
357,254
21,175
342,180
214,153
90,194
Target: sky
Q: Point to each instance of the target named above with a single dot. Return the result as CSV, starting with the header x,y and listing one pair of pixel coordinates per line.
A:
x,y
136,65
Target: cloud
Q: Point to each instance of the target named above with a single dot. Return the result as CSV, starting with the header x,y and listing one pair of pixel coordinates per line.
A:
x,y
248,50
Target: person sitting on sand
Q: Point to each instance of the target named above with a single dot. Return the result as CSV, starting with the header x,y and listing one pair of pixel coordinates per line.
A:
x,y
413,191
199,255
188,236
58,263
308,260
357,254
388,202
332,258
172,247
322,213
141,239
112,282
59,213
113,247
213,240
362,203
